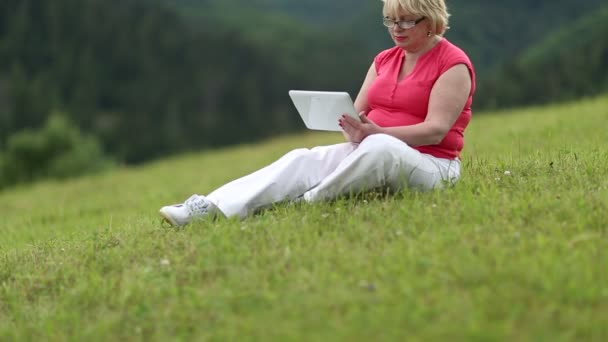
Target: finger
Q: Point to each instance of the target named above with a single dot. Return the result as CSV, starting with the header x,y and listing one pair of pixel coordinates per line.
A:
x,y
366,119
350,123
349,119
343,124
349,129
363,117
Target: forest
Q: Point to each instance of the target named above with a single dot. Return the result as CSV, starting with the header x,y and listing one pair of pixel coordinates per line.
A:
x,y
143,79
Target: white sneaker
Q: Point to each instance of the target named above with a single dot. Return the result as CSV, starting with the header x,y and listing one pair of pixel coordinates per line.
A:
x,y
195,207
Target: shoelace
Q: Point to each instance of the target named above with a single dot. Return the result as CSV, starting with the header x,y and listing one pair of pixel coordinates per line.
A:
x,y
197,205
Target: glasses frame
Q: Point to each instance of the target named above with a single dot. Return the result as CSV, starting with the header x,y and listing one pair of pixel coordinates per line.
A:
x,y
402,24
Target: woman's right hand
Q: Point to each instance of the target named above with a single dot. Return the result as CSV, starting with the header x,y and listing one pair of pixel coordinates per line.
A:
x,y
357,130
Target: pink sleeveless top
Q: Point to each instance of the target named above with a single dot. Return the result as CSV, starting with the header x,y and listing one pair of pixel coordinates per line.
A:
x,y
403,103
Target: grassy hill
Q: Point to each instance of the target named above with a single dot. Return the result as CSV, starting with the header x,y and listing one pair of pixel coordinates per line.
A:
x,y
517,251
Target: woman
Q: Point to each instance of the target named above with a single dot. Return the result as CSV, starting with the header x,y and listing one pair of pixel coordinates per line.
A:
x,y
414,104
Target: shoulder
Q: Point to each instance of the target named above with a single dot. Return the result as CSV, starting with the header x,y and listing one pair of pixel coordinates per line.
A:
x,y
387,55
451,54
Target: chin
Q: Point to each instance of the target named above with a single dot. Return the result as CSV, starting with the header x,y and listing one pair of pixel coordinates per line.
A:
x,y
401,44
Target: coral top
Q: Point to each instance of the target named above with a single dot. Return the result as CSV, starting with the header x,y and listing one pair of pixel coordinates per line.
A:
x,y
405,102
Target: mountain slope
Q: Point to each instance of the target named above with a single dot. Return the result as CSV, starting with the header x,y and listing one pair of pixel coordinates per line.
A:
x,y
491,32
569,63
134,66
312,12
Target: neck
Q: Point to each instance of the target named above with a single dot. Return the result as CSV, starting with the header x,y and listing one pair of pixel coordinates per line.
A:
x,y
428,44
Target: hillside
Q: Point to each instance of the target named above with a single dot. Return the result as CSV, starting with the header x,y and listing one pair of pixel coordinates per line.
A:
x,y
134,66
570,63
491,32
503,256
313,12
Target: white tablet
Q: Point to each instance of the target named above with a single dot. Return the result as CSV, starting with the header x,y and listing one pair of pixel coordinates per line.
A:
x,y
320,110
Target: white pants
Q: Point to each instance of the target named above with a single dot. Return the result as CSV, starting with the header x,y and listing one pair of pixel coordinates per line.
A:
x,y
326,172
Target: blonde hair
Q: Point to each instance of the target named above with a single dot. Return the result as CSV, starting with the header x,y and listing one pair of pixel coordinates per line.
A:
x,y
435,11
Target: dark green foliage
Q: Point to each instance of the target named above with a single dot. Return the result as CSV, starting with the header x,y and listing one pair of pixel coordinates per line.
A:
x,y
133,74
309,12
490,31
495,35
570,63
494,32
58,150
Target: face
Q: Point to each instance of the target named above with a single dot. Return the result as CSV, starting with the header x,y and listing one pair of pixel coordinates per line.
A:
x,y
410,39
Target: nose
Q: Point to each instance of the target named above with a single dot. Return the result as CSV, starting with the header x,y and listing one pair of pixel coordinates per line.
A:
x,y
396,27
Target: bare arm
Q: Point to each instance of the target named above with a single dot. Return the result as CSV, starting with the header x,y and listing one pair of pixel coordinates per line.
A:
x,y
361,101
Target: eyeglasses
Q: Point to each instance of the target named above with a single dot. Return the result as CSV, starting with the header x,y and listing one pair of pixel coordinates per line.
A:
x,y
403,24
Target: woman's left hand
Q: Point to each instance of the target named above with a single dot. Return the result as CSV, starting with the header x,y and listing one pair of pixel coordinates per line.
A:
x,y
358,130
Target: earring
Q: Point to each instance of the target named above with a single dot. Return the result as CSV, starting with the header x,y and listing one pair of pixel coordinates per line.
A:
x,y
428,34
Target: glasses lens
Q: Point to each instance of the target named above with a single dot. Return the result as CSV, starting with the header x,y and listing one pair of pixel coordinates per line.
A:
x,y
388,22
406,24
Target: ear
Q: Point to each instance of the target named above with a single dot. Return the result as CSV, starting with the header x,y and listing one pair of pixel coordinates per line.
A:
x,y
429,27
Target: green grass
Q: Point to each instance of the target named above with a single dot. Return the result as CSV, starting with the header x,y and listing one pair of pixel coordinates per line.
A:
x,y
499,257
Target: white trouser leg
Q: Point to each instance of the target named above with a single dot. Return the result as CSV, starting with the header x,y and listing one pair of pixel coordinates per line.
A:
x,y
381,160
287,178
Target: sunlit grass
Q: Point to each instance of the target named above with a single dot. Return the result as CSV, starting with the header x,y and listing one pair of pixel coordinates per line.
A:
x,y
517,251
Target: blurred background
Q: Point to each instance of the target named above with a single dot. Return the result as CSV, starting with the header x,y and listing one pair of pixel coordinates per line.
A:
x,y
88,84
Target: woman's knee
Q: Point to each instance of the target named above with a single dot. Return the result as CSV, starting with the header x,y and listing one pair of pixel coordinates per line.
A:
x,y
383,144
293,155
298,152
